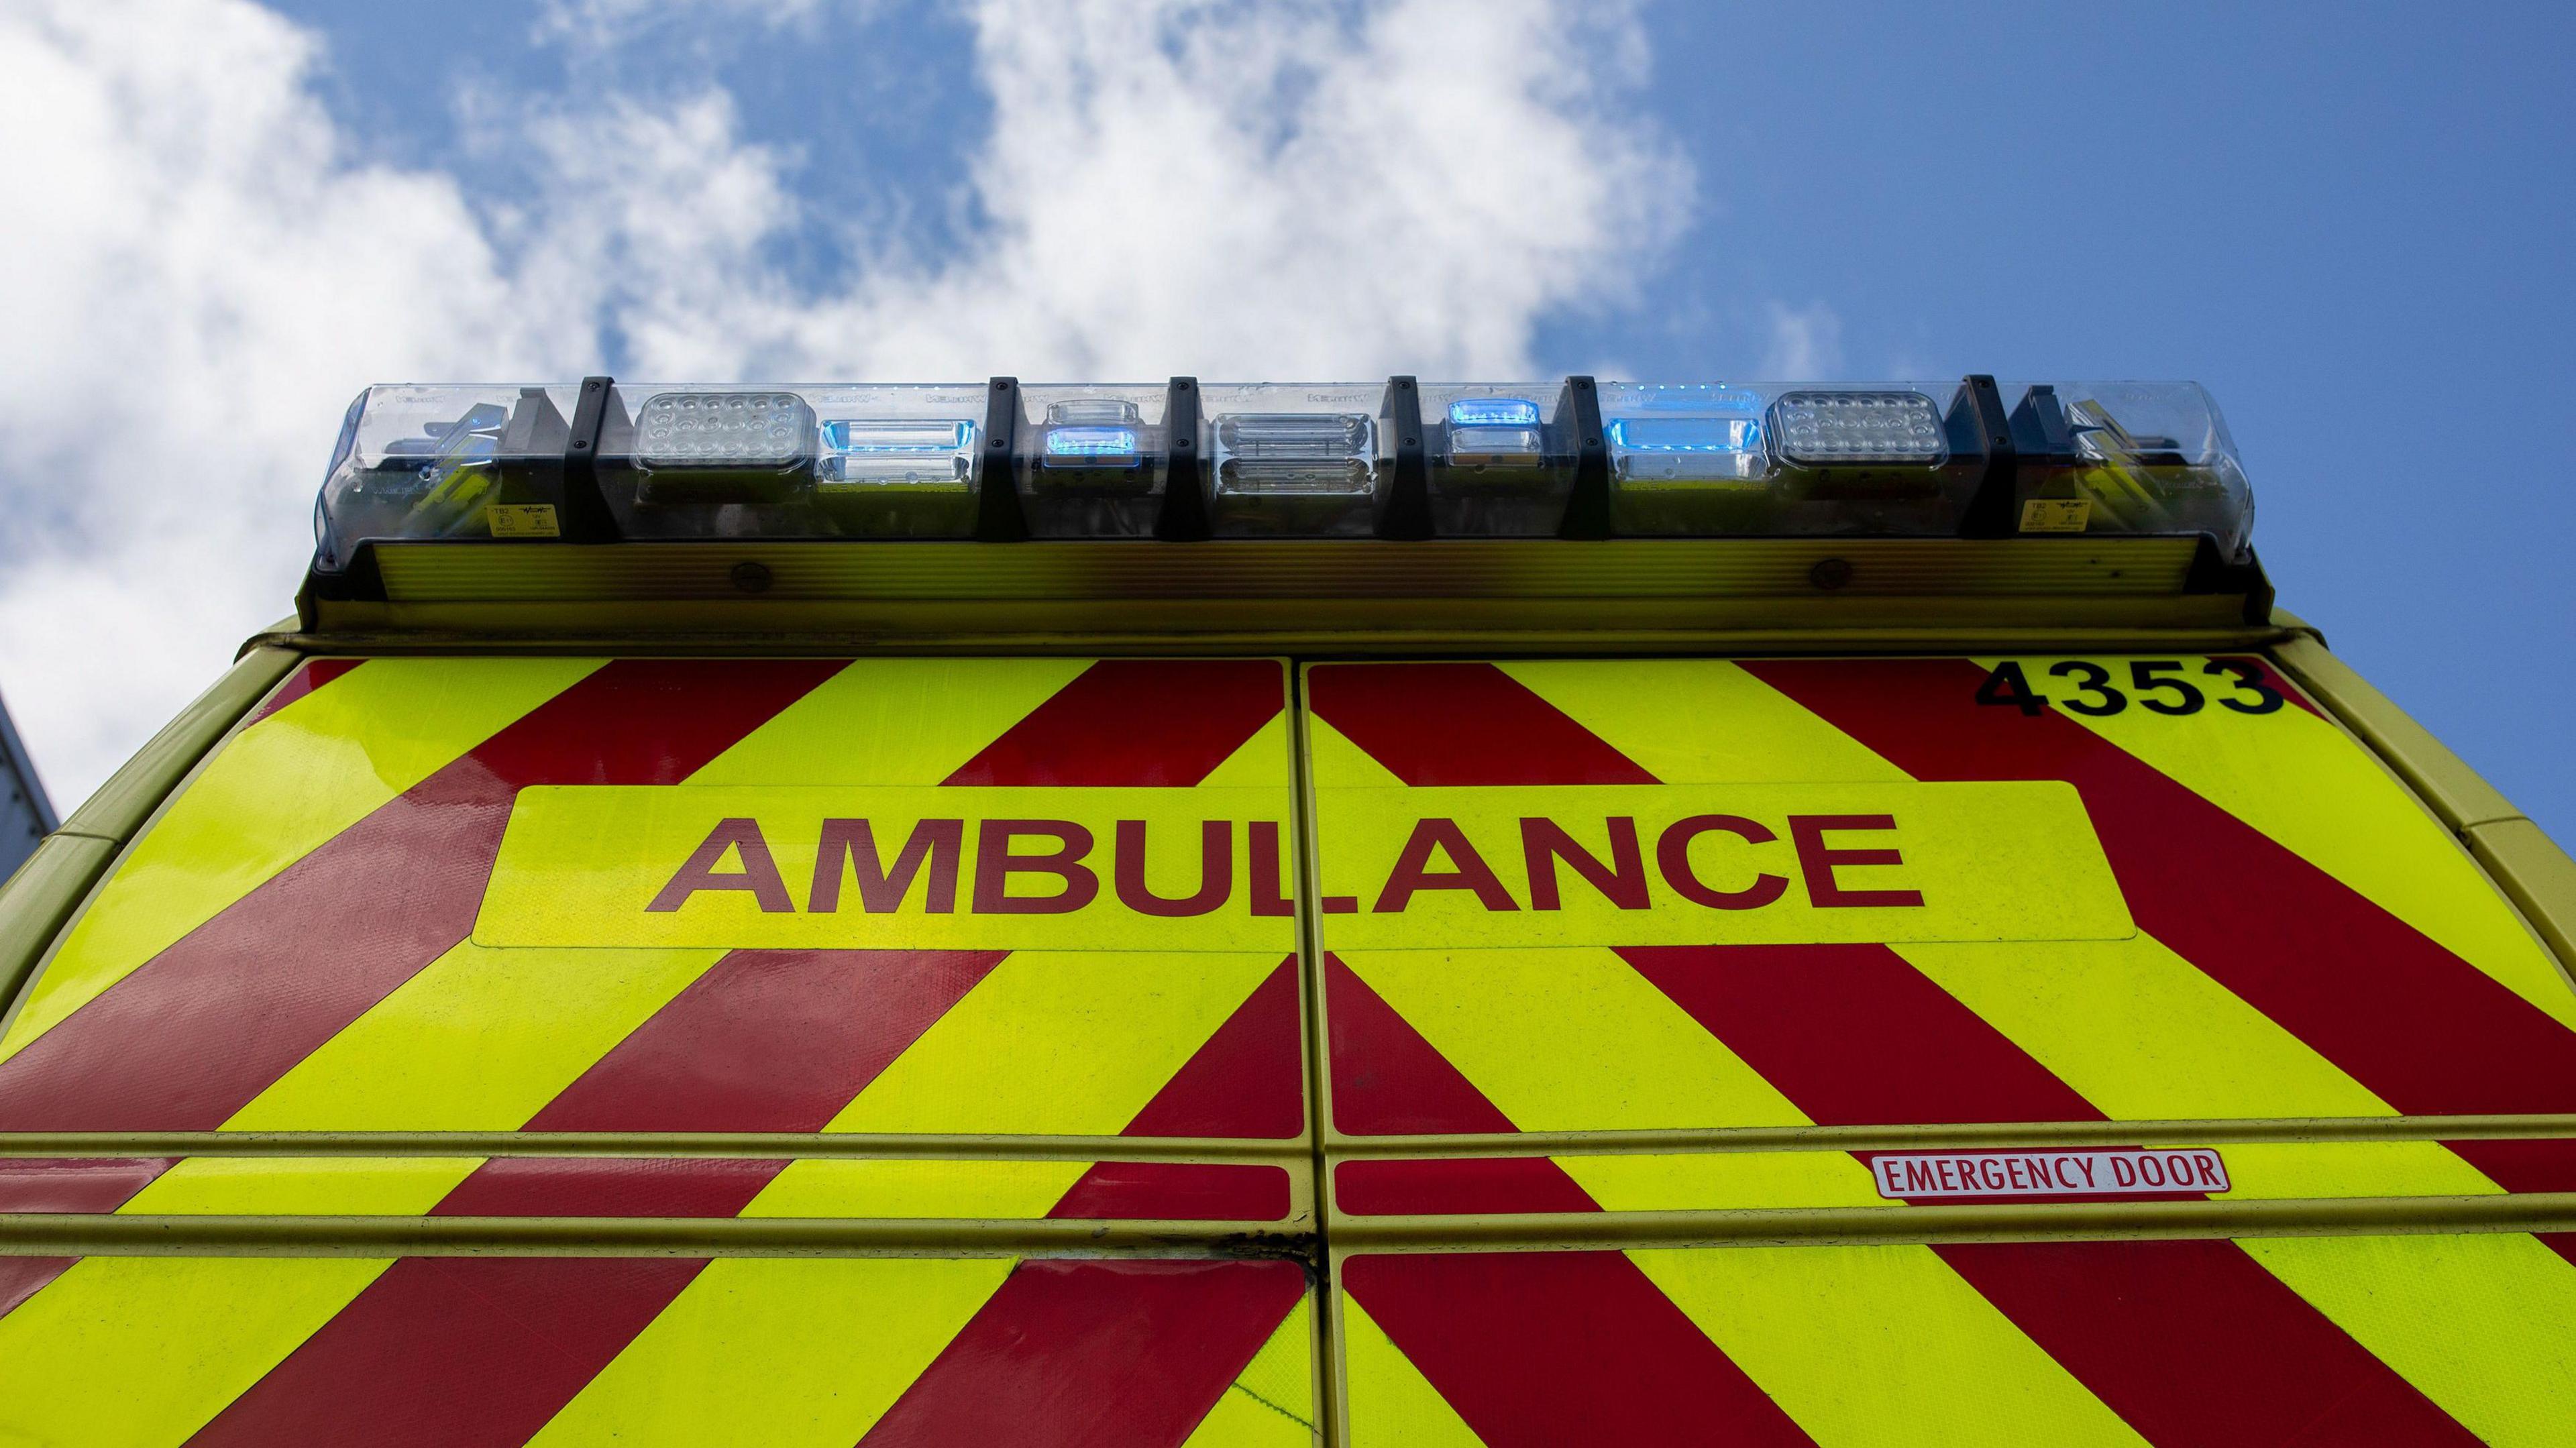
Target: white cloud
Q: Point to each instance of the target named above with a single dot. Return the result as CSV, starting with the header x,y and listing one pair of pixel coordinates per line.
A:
x,y
1806,343
199,270
607,22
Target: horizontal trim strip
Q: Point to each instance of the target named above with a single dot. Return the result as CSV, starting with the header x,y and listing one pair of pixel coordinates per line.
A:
x,y
1300,568
87,1235
2371,1217
1286,1152
1980,1133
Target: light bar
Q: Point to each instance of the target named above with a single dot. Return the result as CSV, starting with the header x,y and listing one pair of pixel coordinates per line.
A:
x,y
602,462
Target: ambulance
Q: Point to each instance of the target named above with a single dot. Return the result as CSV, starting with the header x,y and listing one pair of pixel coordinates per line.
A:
x,y
1077,916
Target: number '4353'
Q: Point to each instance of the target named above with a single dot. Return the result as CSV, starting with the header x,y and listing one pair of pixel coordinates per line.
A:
x,y
2162,686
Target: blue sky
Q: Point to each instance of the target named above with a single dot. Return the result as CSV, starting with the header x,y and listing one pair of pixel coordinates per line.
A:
x,y
2352,223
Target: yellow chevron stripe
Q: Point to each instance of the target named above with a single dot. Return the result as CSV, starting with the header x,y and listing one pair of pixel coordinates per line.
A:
x,y
480,1040
2260,1170
275,793
2142,1033
1058,1043
892,721
1334,762
903,1188
1391,1405
2485,1325
780,1352
1879,1345
2310,786
302,1186
1272,1402
1701,720
1730,1180
141,1352
1571,1040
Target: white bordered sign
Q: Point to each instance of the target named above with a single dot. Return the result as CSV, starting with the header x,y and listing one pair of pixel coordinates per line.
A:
x,y
2098,1172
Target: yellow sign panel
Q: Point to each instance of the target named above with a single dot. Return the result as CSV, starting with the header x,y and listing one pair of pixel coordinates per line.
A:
x,y
1598,865
959,868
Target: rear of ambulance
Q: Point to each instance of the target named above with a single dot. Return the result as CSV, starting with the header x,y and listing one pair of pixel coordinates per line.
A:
x,y
1373,914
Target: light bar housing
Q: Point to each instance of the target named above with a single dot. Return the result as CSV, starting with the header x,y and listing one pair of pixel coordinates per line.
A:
x,y
602,461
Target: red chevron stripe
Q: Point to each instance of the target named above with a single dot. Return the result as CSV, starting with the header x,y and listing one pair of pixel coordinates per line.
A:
x,y
2537,1164
1387,1080
313,675
577,1186
2423,1029
1178,1191
1541,1349
1135,722
24,1277
2194,1344
1462,724
187,1040
2540,1165
1095,1355
1246,1080
75,1183
454,1352
768,1040
63,1184
1856,1036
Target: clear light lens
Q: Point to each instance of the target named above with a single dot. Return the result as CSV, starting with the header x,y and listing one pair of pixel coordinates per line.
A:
x,y
1686,449
477,431
1827,429
1474,445
723,430
1296,452
897,451
855,435
1093,412
1091,444
1493,412
1686,434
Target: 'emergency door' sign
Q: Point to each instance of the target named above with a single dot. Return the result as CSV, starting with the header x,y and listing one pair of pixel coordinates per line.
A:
x,y
2104,1172
989,868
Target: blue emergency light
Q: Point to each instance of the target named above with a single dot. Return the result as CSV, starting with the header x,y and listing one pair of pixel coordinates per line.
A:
x,y
1179,461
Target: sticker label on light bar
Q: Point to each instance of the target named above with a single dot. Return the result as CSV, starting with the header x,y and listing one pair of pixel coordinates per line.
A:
x,y
2101,1172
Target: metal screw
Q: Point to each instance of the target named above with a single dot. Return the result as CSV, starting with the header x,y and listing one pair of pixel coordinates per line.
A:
x,y
1830,573
750,577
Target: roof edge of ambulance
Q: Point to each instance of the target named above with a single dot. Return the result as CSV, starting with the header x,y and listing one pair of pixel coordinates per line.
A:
x,y
1338,595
